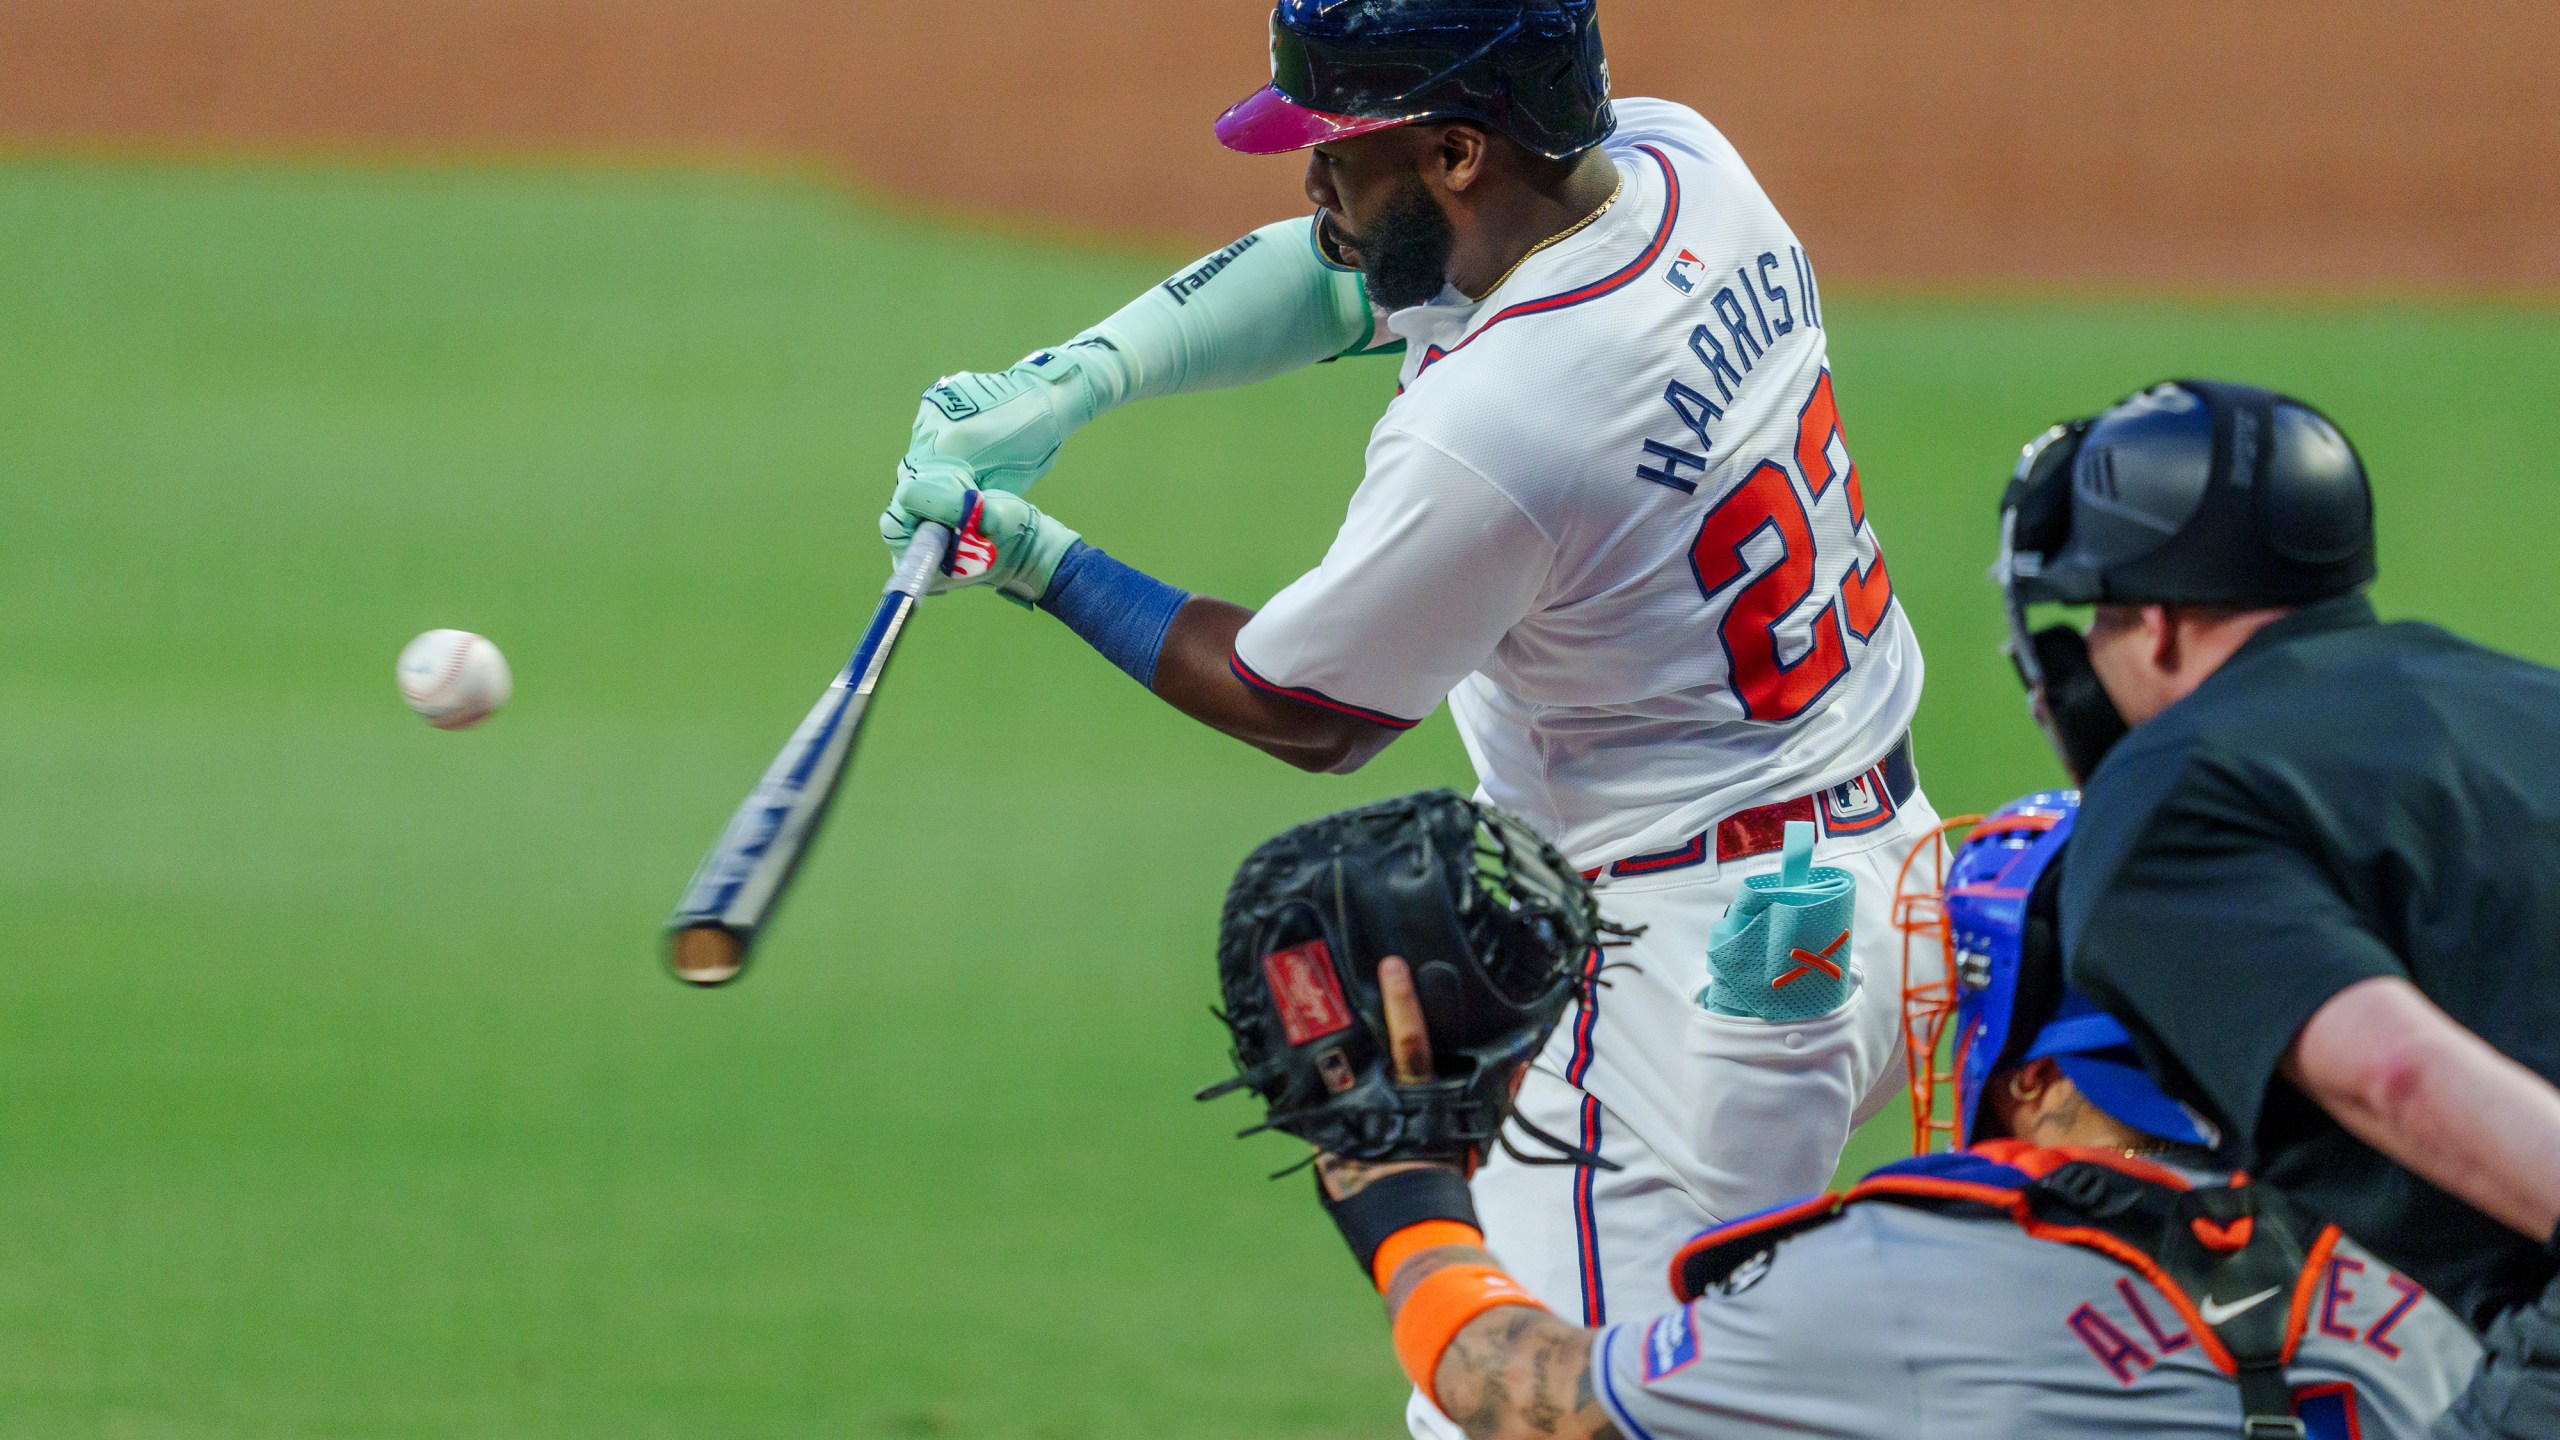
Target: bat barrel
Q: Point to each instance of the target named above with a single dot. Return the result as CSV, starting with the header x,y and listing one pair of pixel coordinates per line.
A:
x,y
740,881
707,955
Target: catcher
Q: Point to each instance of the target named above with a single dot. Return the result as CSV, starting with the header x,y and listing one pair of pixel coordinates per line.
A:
x,y
1386,973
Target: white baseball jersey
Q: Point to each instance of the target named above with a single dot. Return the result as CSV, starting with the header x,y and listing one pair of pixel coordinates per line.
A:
x,y
1893,1321
1612,517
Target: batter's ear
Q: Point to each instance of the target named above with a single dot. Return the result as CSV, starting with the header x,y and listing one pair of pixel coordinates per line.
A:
x,y
1457,161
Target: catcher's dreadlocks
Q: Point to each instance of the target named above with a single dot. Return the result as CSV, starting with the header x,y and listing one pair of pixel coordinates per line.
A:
x,y
1501,935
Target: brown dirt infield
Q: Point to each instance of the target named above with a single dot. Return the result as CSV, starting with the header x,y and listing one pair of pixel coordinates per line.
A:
x,y
2215,144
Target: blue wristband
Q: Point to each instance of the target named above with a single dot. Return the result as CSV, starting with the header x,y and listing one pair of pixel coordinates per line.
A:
x,y
1121,612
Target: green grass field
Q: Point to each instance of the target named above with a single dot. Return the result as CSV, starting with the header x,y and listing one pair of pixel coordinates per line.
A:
x,y
344,1097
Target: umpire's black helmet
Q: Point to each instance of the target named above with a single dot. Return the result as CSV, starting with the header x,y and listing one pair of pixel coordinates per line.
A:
x,y
1530,69
2194,492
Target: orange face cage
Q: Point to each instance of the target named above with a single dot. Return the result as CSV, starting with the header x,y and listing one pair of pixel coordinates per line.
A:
x,y
1929,984
1932,972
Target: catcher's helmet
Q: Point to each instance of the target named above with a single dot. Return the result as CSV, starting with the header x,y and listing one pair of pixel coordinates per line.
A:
x,y
1531,69
1997,924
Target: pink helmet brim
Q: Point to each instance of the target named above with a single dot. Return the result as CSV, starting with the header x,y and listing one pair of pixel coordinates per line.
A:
x,y
1267,122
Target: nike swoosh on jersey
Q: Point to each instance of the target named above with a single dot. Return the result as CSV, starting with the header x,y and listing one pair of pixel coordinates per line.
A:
x,y
2217,1314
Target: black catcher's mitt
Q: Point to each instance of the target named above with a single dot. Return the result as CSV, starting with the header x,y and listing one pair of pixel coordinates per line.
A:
x,y
1501,935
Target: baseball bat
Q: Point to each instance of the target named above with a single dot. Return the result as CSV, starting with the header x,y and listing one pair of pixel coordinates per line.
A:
x,y
734,891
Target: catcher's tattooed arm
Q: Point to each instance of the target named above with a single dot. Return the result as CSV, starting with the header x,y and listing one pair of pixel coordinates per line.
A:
x,y
1513,1373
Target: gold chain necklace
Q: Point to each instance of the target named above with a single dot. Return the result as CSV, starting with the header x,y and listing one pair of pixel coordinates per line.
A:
x,y
1558,238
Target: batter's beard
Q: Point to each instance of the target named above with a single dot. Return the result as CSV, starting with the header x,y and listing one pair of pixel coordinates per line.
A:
x,y
1405,251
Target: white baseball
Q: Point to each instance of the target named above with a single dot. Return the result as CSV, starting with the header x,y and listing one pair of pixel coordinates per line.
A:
x,y
454,678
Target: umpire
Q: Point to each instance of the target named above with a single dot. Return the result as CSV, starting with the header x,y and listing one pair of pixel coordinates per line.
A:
x,y
2317,857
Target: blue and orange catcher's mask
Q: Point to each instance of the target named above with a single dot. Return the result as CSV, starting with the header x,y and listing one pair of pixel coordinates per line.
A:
x,y
1982,950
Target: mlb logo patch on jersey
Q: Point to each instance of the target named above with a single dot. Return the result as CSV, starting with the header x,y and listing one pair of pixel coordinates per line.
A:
x,y
1670,1345
1857,805
1304,987
1684,272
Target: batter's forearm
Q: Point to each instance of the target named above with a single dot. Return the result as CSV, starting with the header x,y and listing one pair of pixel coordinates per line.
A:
x,y
2407,1079
1178,645
1194,676
1264,306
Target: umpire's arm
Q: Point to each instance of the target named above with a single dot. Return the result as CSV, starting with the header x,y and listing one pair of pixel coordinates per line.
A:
x,y
2407,1079
2236,961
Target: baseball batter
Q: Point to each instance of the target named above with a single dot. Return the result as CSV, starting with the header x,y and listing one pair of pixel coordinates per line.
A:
x,y
1609,516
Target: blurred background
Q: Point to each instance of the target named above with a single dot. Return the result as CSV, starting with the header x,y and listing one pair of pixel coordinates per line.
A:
x,y
344,1096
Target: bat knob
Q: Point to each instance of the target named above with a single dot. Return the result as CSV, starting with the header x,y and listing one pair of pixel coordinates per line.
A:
x,y
707,955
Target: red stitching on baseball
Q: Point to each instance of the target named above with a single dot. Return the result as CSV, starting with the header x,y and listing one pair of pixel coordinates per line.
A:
x,y
446,681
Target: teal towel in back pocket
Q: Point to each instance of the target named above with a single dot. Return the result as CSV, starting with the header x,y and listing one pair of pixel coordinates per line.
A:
x,y
1783,952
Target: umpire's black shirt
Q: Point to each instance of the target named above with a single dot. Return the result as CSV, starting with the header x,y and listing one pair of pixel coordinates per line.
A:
x,y
2344,799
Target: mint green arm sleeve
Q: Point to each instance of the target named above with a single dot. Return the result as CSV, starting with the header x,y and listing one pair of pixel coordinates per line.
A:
x,y
1264,306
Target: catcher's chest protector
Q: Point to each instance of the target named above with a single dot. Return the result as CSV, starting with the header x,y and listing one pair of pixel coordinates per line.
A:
x,y
2219,1242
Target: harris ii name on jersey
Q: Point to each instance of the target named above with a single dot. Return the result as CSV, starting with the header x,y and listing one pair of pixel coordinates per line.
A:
x,y
1753,314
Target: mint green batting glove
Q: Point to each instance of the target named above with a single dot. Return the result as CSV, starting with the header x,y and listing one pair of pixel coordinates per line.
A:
x,y
1006,426
999,538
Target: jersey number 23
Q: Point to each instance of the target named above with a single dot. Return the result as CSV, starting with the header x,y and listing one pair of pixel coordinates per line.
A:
x,y
1772,689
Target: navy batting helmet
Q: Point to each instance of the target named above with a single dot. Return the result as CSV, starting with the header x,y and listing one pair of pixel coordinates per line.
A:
x,y
1530,69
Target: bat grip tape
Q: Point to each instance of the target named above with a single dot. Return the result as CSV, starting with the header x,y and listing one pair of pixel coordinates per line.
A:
x,y
925,554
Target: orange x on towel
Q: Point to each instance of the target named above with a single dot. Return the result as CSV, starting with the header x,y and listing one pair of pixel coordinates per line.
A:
x,y
1807,962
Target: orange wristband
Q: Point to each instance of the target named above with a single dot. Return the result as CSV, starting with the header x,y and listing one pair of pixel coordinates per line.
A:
x,y
1443,1305
1415,1238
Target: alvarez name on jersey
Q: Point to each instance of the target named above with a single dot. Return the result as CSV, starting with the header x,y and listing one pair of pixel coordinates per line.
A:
x,y
1611,516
